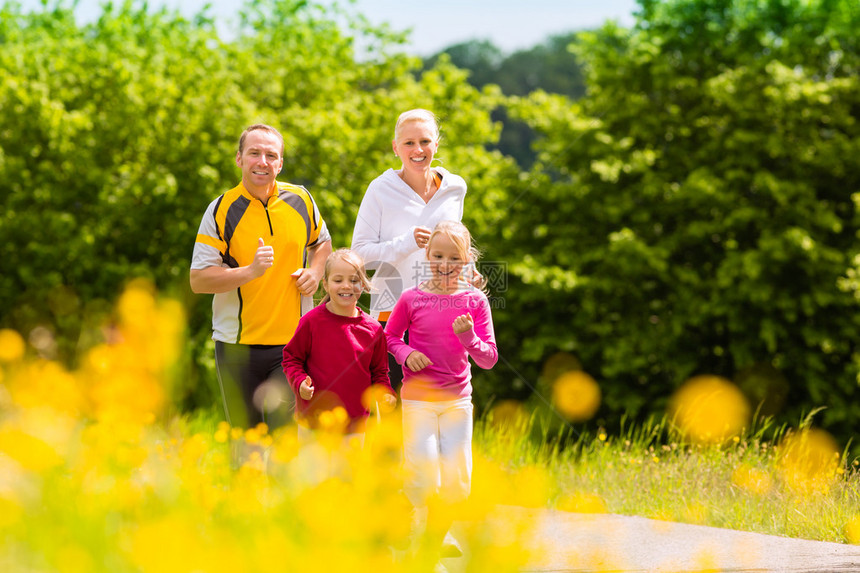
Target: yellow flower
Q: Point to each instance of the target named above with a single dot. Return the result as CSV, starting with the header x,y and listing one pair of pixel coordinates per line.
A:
x,y
576,395
11,346
221,436
509,415
583,502
29,451
252,436
753,480
806,460
46,384
11,512
709,409
852,530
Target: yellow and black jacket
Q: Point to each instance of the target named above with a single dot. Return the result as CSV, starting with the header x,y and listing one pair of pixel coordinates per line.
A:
x,y
267,309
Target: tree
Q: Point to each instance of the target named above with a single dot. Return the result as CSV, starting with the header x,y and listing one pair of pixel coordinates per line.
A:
x,y
481,58
696,211
115,135
551,66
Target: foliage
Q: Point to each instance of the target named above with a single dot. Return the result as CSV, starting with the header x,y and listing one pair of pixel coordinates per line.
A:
x,y
696,212
115,135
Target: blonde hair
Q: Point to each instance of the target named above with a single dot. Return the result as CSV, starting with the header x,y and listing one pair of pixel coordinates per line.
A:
x,y
351,258
417,115
462,239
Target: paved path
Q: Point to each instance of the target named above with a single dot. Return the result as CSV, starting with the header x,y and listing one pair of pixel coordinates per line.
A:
x,y
572,542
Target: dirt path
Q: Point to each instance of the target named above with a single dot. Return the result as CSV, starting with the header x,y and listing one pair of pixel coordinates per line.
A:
x,y
571,542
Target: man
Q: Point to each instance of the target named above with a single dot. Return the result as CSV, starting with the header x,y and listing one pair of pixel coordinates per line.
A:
x,y
260,247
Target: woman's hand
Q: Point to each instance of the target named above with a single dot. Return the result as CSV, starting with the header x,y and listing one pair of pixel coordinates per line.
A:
x,y
422,236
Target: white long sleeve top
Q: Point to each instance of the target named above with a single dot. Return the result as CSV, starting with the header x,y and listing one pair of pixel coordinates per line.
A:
x,y
384,231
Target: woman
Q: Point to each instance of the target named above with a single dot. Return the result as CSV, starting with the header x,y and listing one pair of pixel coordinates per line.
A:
x,y
398,211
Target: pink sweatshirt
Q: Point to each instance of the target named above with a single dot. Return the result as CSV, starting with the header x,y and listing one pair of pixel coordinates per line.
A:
x,y
429,317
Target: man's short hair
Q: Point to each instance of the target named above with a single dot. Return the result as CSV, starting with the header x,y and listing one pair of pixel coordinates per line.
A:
x,y
261,127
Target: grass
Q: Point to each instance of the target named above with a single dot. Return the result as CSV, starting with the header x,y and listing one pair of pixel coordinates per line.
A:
x,y
757,482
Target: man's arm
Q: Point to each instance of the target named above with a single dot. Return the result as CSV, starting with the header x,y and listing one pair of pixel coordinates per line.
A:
x,y
217,279
307,280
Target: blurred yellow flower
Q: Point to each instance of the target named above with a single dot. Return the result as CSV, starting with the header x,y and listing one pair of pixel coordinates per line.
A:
x,y
74,559
193,449
583,502
11,512
252,436
136,305
46,384
334,420
530,487
178,544
576,396
222,436
808,460
11,346
373,398
695,513
490,487
852,530
709,409
31,452
751,479
509,416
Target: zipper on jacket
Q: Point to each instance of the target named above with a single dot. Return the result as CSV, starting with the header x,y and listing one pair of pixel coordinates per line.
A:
x,y
269,219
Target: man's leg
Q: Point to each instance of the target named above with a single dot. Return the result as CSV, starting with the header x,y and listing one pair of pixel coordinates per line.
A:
x,y
231,365
253,386
271,396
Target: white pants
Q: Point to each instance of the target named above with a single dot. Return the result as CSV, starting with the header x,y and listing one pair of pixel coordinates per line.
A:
x,y
437,450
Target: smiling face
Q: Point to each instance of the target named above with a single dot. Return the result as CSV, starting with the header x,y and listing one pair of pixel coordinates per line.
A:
x,y
343,285
446,261
415,143
260,160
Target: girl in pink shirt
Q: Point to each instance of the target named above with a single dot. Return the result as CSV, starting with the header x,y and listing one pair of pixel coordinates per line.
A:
x,y
449,321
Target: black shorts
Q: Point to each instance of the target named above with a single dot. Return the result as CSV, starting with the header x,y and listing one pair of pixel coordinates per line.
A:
x,y
253,385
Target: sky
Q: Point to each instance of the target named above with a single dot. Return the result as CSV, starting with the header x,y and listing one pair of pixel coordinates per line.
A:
x,y
436,24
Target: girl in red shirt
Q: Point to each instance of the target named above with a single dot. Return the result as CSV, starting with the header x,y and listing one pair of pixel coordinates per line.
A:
x,y
337,353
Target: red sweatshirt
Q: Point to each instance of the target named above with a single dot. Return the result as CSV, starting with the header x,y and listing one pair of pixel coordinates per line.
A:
x,y
343,356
